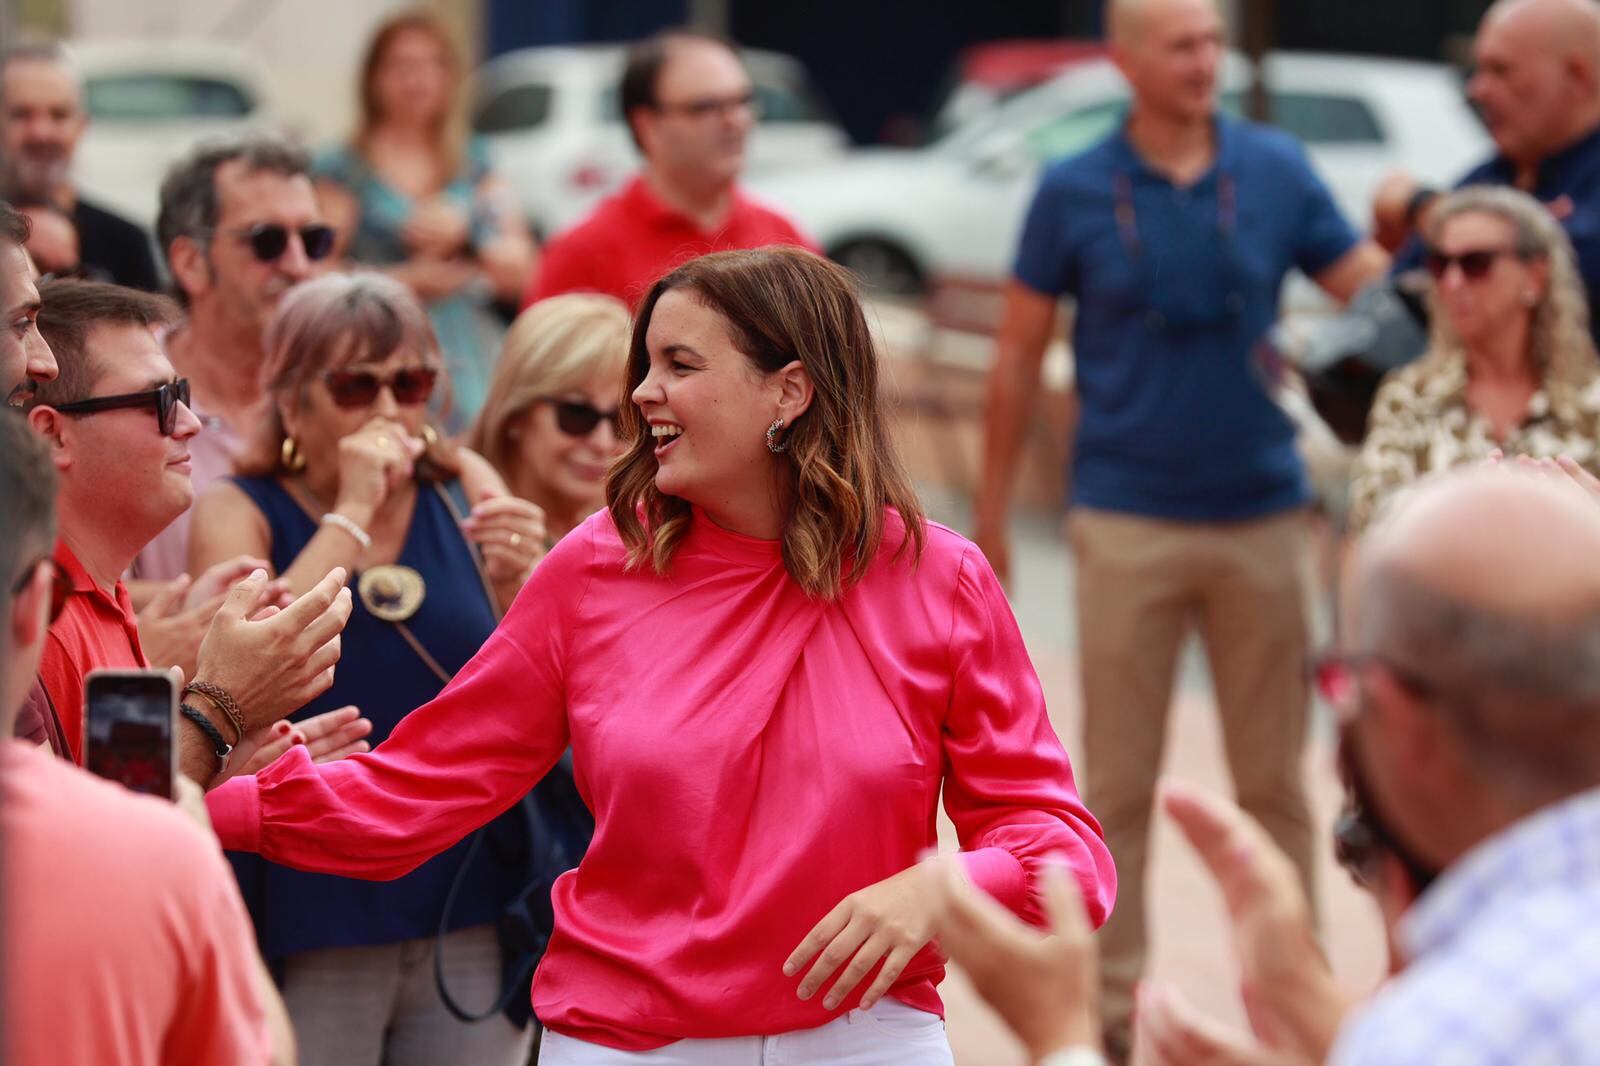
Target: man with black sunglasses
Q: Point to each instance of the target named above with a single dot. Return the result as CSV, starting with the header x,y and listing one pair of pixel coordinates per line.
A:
x,y
119,430
240,225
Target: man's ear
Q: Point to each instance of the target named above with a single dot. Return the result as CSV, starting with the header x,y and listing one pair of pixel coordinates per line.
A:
x,y
52,425
795,391
191,266
641,121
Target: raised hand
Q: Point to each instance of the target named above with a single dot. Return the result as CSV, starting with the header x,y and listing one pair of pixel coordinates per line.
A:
x,y
274,665
328,737
374,461
1294,1004
1042,984
511,534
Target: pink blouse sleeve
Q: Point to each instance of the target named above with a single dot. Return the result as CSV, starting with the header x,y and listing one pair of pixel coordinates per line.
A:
x,y
450,766
1008,783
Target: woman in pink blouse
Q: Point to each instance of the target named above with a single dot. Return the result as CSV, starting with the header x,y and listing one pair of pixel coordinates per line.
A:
x,y
768,664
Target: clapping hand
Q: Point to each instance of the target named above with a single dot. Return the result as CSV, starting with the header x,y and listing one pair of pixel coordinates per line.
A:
x,y
328,737
510,533
1042,983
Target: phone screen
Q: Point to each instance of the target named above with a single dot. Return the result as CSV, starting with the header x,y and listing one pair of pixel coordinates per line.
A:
x,y
130,724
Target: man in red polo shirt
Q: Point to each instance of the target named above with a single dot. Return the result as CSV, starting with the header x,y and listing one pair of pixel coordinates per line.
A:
x,y
690,107
118,428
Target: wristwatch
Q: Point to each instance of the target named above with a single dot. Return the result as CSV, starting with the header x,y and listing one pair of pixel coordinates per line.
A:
x,y
1081,1055
219,744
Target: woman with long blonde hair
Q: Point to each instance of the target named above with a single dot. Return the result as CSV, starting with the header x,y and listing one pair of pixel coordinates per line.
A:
x,y
412,194
770,667
1511,365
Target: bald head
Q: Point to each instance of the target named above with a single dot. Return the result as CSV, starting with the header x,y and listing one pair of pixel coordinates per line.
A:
x,y
1127,21
1486,583
1538,74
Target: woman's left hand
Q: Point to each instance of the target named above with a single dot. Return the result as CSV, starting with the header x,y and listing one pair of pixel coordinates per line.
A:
x,y
510,532
891,920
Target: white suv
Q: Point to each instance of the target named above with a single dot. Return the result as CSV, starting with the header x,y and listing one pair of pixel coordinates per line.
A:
x,y
553,123
903,218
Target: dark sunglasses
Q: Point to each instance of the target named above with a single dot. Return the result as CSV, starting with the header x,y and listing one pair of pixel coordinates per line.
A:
x,y
1475,265
269,240
164,400
60,584
359,388
577,419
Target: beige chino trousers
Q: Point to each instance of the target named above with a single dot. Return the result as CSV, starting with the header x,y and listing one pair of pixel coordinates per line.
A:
x,y
1142,585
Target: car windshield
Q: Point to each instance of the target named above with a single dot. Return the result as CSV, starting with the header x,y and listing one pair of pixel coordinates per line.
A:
x,y
155,97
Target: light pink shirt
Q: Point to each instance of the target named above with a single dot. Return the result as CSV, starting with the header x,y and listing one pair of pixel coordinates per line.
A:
x,y
125,939
752,755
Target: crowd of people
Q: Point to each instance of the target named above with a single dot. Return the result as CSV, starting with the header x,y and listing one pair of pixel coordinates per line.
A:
x,y
430,522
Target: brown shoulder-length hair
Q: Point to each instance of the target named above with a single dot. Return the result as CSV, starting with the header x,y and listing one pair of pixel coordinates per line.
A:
x,y
782,304
334,321
450,129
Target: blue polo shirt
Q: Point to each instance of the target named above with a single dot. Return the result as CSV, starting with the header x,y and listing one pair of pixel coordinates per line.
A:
x,y
1176,288
1568,183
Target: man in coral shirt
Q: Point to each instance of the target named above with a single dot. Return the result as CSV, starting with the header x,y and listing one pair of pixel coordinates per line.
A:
x,y
690,106
119,898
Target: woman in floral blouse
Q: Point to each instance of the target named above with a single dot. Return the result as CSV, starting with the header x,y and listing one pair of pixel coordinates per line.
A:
x,y
1510,365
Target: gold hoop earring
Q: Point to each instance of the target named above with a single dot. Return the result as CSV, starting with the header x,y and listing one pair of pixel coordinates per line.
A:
x,y
293,461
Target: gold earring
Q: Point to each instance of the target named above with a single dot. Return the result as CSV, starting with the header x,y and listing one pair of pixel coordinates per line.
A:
x,y
293,461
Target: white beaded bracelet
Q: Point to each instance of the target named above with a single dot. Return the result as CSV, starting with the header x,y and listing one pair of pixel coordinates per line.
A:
x,y
363,538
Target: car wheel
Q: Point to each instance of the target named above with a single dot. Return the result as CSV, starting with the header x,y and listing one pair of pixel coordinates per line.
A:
x,y
884,268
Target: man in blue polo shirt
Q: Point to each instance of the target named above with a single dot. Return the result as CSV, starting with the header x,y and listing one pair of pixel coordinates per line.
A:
x,y
1188,498
1537,85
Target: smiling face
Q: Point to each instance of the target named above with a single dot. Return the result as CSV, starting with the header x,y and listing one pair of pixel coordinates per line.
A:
x,y
25,359
707,406
118,463
564,471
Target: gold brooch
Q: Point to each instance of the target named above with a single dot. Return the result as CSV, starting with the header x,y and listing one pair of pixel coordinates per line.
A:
x,y
392,593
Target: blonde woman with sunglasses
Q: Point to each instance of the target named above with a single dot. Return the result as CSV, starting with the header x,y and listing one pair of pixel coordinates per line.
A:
x,y
1510,366
550,426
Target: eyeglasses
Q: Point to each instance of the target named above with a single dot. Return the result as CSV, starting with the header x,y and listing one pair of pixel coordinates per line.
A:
x,y
410,385
577,419
1475,264
164,400
712,105
60,584
269,240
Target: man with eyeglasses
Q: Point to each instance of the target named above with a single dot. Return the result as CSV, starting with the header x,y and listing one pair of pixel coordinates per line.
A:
x,y
119,428
240,226
42,119
690,107
1467,690
25,359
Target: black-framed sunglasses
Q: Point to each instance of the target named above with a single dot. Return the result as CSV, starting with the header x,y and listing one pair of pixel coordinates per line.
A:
x,y
353,388
60,584
578,419
269,240
163,400
1475,264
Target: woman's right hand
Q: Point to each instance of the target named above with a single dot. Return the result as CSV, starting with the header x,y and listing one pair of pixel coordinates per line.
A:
x,y
374,461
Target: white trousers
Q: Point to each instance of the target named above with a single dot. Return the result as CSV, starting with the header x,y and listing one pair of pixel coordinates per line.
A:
x,y
890,1034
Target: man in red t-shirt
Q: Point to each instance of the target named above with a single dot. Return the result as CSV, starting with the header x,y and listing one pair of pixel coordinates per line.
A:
x,y
689,104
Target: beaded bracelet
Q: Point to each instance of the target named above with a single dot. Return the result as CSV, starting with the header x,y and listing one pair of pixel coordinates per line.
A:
x,y
344,522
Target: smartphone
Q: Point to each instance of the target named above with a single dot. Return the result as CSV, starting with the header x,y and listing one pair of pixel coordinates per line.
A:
x,y
130,732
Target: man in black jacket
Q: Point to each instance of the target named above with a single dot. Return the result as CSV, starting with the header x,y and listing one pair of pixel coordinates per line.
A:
x,y
42,117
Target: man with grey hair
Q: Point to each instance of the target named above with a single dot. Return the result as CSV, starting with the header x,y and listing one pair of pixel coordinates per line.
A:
x,y
1468,693
42,118
240,225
